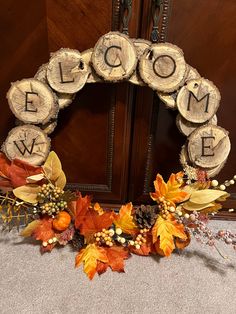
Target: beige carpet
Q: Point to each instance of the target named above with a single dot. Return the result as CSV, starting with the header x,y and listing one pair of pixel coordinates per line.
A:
x,y
196,281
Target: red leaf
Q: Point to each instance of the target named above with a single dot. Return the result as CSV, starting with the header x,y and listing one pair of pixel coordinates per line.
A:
x,y
4,166
92,222
116,256
20,170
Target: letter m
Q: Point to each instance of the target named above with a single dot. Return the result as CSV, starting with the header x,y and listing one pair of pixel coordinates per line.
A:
x,y
194,98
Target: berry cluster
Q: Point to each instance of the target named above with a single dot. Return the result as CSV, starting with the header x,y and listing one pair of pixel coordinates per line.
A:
x,y
50,241
140,239
105,237
50,200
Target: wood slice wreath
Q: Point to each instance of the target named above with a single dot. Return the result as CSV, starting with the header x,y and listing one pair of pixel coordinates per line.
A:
x,y
115,58
103,238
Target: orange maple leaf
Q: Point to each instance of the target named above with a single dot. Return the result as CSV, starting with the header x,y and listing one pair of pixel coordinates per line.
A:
x,y
171,190
90,256
79,208
116,256
125,221
167,230
43,232
145,249
92,222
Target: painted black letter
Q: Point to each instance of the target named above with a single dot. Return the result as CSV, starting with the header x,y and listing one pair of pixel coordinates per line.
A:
x,y
203,146
105,57
29,102
61,75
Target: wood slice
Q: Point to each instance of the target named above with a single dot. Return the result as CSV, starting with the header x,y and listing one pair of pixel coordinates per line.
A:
x,y
168,99
66,71
114,57
212,172
41,74
31,101
163,67
198,101
140,45
92,77
208,146
186,127
192,74
64,100
49,127
28,143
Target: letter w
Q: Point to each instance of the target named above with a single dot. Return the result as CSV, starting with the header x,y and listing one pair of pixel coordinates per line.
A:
x,y
25,148
191,95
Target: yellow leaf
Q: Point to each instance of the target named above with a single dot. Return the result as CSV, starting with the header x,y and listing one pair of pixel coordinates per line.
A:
x,y
53,169
61,181
27,232
124,220
193,206
206,196
171,190
167,229
90,257
27,193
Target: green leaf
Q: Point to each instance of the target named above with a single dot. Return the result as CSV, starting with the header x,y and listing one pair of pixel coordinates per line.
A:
x,y
27,193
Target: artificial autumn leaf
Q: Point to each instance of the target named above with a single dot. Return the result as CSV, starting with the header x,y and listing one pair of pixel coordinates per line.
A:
x,y
116,256
215,208
27,193
181,244
35,178
125,221
157,248
196,207
28,231
204,199
61,181
145,249
92,222
53,170
171,190
90,256
4,166
79,208
44,230
20,171
207,196
167,229
98,209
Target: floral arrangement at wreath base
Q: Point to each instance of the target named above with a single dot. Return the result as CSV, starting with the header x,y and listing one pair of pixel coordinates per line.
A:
x,y
35,197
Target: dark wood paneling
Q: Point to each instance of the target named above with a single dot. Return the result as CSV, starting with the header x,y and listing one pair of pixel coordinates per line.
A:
x,y
23,37
156,141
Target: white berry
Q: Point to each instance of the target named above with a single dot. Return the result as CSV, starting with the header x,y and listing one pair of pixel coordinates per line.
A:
x,y
44,243
131,242
214,183
172,209
118,231
137,246
50,241
186,216
222,187
231,182
122,240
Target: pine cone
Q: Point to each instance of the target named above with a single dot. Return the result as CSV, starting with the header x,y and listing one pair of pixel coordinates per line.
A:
x,y
78,241
145,216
